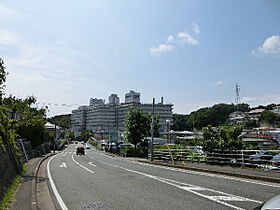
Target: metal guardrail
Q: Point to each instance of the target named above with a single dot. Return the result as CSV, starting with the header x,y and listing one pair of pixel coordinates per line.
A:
x,y
269,159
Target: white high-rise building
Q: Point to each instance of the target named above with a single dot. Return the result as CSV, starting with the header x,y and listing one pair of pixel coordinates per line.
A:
x,y
114,99
96,102
132,97
107,117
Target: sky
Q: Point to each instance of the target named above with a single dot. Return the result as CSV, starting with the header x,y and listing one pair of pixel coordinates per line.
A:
x,y
190,52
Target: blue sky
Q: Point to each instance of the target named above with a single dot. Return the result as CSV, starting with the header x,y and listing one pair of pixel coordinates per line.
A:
x,y
190,52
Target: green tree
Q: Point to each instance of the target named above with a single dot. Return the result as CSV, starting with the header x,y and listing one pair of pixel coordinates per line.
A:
x,y
180,122
224,138
63,120
85,135
270,118
137,126
27,121
71,135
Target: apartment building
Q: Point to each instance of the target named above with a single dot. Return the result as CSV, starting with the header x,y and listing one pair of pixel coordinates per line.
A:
x,y
107,117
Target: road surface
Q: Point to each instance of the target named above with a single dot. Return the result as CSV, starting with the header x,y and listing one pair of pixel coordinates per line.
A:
x,y
96,180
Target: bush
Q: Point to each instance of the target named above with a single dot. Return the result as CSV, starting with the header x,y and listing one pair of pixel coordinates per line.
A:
x,y
132,152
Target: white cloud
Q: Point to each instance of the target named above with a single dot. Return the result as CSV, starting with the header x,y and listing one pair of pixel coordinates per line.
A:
x,y
270,46
248,99
218,83
162,48
170,38
6,13
7,37
196,28
32,79
186,38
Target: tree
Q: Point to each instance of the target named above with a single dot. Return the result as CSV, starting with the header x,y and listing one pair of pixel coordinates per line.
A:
x,y
29,122
137,126
3,76
71,135
85,135
224,138
63,120
180,122
270,118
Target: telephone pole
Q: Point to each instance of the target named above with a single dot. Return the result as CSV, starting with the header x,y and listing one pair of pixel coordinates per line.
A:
x,y
152,130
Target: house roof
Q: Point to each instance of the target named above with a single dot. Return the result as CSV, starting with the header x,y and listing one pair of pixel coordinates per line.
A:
x,y
256,111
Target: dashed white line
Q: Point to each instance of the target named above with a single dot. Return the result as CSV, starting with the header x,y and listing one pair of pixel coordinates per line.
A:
x,y
91,163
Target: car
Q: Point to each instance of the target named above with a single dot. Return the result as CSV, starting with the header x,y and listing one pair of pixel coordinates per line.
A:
x,y
275,161
80,150
273,203
87,146
262,156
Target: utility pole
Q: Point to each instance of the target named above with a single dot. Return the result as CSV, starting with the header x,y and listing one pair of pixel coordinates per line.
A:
x,y
54,138
152,130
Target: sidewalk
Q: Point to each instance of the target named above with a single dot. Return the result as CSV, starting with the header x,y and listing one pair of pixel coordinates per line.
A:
x,y
26,195
248,173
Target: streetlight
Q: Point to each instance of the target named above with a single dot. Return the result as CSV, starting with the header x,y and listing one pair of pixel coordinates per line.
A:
x,y
168,129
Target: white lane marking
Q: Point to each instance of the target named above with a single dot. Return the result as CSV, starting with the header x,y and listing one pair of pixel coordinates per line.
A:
x,y
82,165
198,173
192,189
91,163
58,197
63,165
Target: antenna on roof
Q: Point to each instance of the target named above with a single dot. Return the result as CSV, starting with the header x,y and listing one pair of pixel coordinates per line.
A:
x,y
237,96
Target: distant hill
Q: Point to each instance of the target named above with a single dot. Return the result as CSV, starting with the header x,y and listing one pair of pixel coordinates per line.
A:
x,y
218,115
214,116
61,120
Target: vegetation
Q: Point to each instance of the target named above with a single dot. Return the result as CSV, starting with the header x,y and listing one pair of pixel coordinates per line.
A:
x,y
270,118
28,122
137,125
62,121
85,135
216,115
25,120
10,193
224,138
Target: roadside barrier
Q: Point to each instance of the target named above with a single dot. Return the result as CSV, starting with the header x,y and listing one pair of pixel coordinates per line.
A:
x,y
267,159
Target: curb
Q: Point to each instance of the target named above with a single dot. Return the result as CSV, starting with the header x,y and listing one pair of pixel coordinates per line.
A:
x,y
246,176
34,199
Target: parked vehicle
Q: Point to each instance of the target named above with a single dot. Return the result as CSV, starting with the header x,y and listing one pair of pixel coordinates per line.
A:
x,y
80,150
262,156
273,203
87,146
275,161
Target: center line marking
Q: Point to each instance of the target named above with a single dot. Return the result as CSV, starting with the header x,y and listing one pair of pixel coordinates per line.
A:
x,y
82,165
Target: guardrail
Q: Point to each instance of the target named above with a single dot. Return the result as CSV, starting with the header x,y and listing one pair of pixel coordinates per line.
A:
x,y
246,158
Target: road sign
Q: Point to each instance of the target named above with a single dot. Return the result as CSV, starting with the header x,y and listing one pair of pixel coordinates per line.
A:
x,y
113,136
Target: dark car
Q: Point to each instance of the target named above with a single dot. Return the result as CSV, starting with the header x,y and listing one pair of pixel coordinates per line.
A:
x,y
80,150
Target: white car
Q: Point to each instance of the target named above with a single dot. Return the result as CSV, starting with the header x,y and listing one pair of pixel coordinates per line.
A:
x,y
87,146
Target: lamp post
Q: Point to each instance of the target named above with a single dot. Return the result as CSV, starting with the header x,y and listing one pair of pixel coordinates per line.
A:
x,y
168,129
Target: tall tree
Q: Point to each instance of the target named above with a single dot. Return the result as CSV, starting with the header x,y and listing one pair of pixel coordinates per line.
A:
x,y
137,126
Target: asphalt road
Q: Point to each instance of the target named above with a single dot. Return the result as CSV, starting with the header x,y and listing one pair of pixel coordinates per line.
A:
x,y
95,180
